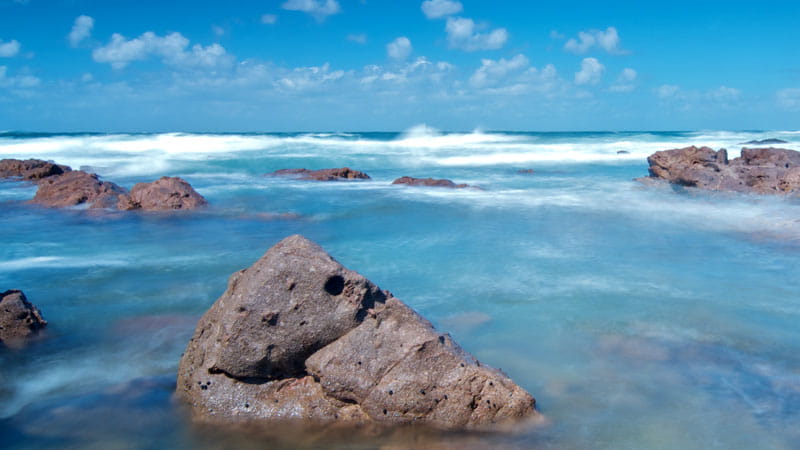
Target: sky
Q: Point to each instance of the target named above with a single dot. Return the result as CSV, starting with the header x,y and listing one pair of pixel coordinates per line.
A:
x,y
387,65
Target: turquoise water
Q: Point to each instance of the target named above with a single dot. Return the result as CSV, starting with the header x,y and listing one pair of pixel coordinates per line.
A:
x,y
639,317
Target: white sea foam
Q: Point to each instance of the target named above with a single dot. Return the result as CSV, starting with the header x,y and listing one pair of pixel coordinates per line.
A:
x,y
36,262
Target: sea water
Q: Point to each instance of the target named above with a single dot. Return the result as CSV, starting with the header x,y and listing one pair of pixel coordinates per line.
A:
x,y
638,316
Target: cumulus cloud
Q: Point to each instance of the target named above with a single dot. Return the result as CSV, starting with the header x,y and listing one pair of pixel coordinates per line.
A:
x,y
606,40
492,71
307,78
590,73
269,19
358,38
463,34
788,99
21,81
172,49
667,90
435,9
626,81
9,49
420,71
319,9
516,77
81,29
399,48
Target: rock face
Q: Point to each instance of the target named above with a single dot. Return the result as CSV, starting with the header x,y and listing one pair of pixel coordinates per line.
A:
x,y
164,194
297,336
78,188
411,181
337,174
19,319
30,169
758,170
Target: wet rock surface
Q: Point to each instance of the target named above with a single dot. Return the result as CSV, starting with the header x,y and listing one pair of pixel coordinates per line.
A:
x,y
335,174
30,169
757,170
411,181
19,318
78,188
164,194
299,337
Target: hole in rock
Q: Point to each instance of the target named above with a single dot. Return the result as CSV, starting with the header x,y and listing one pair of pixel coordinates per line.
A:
x,y
334,285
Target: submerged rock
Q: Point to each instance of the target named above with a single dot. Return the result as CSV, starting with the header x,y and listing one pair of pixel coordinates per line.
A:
x,y
770,141
78,188
757,170
19,318
297,336
411,181
336,174
526,171
164,194
30,169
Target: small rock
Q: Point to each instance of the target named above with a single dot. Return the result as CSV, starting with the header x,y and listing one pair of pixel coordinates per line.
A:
x,y
30,169
19,318
623,152
77,188
336,174
526,171
297,336
770,141
411,181
164,194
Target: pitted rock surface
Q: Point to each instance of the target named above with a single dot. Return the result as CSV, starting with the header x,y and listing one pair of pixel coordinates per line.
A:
x,y
164,194
19,318
78,188
299,336
30,169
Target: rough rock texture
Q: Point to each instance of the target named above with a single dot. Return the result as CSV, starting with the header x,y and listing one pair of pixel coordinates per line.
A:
x,y
297,336
337,174
758,170
77,188
18,317
30,169
164,194
411,181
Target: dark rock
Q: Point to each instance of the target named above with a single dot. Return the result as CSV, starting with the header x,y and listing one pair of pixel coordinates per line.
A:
x,y
30,169
623,152
297,336
78,188
771,141
526,171
337,174
760,171
164,194
19,318
411,181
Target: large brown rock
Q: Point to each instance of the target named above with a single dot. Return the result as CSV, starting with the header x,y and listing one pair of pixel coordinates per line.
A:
x,y
78,188
19,319
297,336
30,169
164,194
760,170
336,174
411,181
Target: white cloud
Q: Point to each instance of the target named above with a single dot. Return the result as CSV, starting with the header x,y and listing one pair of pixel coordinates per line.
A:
x,y
81,29
607,40
492,71
420,71
399,48
789,98
319,9
218,30
626,81
21,81
306,78
435,9
463,34
359,38
172,49
724,94
667,90
590,73
269,19
9,49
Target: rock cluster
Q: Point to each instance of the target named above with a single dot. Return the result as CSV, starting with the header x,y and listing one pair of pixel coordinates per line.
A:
x,y
757,170
297,336
411,181
19,319
30,169
78,188
336,174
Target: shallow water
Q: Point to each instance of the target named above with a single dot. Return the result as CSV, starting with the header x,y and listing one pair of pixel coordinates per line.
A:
x,y
639,317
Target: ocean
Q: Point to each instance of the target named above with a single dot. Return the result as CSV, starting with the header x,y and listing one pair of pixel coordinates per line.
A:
x,y
638,316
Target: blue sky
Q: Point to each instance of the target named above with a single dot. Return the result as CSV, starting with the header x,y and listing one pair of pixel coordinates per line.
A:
x,y
364,65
